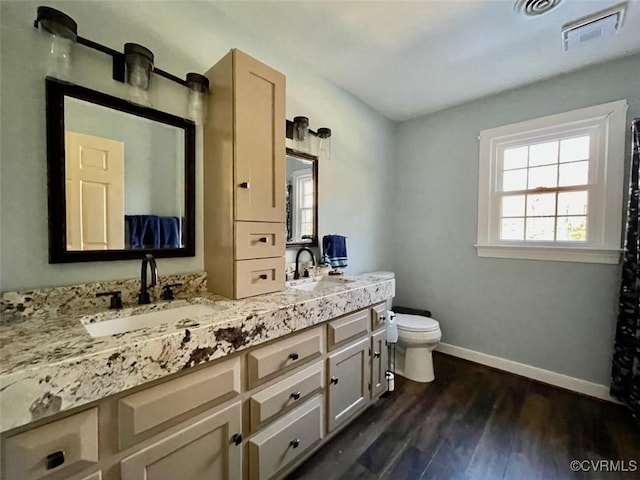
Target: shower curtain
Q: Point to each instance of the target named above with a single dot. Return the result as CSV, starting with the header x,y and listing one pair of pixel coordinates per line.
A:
x,y
625,375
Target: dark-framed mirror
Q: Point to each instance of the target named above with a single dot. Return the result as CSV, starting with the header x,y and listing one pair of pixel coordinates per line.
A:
x,y
302,199
121,178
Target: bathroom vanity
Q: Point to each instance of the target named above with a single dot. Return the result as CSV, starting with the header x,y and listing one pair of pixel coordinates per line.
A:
x,y
247,390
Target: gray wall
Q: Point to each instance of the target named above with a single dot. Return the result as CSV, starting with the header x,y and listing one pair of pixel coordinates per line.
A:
x,y
553,315
185,36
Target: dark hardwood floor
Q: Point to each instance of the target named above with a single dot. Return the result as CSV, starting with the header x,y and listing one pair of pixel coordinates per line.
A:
x,y
474,422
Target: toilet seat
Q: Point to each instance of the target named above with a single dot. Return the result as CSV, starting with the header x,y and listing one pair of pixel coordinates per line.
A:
x,y
416,323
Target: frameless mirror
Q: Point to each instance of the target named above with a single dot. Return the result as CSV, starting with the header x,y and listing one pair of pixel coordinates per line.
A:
x,y
302,199
121,178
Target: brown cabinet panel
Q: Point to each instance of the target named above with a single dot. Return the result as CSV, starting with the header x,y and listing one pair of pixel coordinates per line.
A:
x,y
348,327
276,358
348,382
203,450
260,140
259,240
293,390
379,356
68,445
150,408
285,440
260,276
378,316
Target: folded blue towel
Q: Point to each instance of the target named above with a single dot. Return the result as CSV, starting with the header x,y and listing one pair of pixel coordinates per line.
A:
x,y
169,232
144,231
334,250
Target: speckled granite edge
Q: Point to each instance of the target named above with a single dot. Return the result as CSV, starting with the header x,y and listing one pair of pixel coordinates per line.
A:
x,y
78,298
79,369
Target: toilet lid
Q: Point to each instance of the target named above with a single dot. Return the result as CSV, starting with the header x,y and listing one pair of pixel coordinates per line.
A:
x,y
416,323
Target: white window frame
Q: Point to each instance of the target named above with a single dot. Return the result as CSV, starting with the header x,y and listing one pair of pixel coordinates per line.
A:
x,y
606,176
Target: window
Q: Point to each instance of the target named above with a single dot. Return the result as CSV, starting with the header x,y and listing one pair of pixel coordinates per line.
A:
x,y
551,188
303,195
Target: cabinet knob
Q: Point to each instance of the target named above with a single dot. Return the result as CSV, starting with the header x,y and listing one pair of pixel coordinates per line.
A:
x,y
264,239
244,185
376,354
55,459
381,319
295,443
294,356
263,276
236,439
295,395
334,380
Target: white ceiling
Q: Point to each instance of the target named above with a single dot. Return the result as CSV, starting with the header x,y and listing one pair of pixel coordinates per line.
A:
x,y
409,58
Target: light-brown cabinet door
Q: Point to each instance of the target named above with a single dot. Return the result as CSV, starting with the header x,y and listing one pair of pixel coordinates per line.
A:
x,y
203,450
259,141
378,363
348,382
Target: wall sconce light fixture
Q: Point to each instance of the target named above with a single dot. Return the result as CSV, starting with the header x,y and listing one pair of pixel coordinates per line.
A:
x,y
301,139
198,87
64,34
134,66
324,142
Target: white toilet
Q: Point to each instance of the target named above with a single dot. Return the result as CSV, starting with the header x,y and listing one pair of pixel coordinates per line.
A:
x,y
417,337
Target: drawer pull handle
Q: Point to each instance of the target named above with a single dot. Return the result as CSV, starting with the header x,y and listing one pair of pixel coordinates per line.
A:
x,y
295,395
264,239
295,443
263,276
334,380
55,459
236,439
382,319
294,356
376,354
244,185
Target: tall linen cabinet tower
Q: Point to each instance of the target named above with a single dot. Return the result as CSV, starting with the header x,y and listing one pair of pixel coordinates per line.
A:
x,y
244,178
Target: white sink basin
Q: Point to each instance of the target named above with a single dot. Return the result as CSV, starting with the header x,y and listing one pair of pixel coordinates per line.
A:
x,y
325,282
144,320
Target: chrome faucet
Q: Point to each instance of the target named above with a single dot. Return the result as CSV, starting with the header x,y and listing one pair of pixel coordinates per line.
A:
x,y
296,274
148,260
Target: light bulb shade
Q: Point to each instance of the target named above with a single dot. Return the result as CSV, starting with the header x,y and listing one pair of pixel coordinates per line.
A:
x,y
301,138
198,83
139,64
324,143
57,23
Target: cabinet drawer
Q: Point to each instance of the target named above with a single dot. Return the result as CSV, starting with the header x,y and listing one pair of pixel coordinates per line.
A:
x,y
263,363
378,316
347,328
289,392
142,414
255,277
68,445
259,240
286,440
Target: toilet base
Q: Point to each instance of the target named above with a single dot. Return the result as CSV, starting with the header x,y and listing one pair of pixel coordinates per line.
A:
x,y
416,364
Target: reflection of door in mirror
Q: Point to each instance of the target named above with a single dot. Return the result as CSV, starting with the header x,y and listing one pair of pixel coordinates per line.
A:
x,y
94,169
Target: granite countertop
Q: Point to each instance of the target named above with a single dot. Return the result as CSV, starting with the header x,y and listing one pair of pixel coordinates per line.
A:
x,y
49,363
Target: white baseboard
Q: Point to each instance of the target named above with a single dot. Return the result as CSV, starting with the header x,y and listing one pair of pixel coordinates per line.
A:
x,y
545,376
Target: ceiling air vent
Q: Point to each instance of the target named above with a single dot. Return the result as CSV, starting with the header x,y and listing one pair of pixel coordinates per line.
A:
x,y
532,8
597,25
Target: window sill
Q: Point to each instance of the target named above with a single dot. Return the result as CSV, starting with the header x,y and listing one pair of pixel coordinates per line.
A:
x,y
557,254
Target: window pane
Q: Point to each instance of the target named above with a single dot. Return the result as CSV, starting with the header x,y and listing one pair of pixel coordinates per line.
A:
x,y
540,228
543,153
514,180
512,229
576,173
543,176
513,206
541,204
572,203
515,158
572,229
573,149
